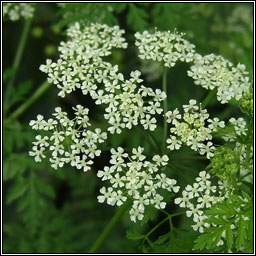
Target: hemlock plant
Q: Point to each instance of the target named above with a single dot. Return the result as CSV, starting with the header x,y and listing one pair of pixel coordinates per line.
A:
x,y
129,102
217,204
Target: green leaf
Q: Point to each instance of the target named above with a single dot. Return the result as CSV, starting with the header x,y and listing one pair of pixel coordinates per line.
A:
x,y
17,190
209,239
44,188
162,239
229,236
216,220
133,236
20,93
137,18
119,7
241,233
150,214
8,73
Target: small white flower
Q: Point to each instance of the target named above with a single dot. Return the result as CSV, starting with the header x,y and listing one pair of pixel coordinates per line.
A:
x,y
174,143
208,149
172,116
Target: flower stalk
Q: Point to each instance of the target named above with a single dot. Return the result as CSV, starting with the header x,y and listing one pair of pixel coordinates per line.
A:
x,y
113,222
17,60
19,111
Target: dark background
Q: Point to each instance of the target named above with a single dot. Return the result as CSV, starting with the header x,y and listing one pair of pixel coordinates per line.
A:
x,y
56,211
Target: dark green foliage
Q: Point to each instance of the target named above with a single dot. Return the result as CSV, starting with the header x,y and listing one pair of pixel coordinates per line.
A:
x,y
20,94
48,211
137,18
232,218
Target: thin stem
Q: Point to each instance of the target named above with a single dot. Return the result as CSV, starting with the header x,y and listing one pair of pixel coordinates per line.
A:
x,y
208,98
96,245
165,106
18,112
157,226
17,60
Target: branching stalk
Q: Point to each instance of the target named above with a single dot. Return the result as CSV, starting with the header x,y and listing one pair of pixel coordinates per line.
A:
x,y
38,93
17,60
208,98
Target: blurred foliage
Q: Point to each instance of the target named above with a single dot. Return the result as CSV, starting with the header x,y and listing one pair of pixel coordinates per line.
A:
x,y
47,211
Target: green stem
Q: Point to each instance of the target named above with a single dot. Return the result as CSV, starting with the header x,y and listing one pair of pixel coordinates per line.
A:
x,y
17,60
165,106
154,228
96,245
208,98
18,112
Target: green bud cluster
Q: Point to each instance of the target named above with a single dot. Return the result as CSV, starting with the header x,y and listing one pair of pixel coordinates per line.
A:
x,y
246,102
224,163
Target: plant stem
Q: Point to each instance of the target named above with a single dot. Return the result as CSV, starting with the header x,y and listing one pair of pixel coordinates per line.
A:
x,y
96,245
17,60
208,98
165,106
18,112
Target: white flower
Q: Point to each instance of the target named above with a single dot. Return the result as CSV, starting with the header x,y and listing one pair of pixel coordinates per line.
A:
x,y
215,123
149,123
41,141
191,106
117,181
164,47
172,116
39,124
56,162
118,197
194,191
157,201
194,211
66,142
83,164
174,143
161,161
200,223
137,154
184,200
140,201
135,214
14,11
208,149
37,153
138,178
203,177
211,71
106,195
106,174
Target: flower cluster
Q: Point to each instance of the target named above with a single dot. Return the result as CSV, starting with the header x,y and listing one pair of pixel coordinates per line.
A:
x,y
130,103
164,47
81,66
135,178
240,135
200,196
215,72
80,63
225,163
238,128
193,130
69,141
14,11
